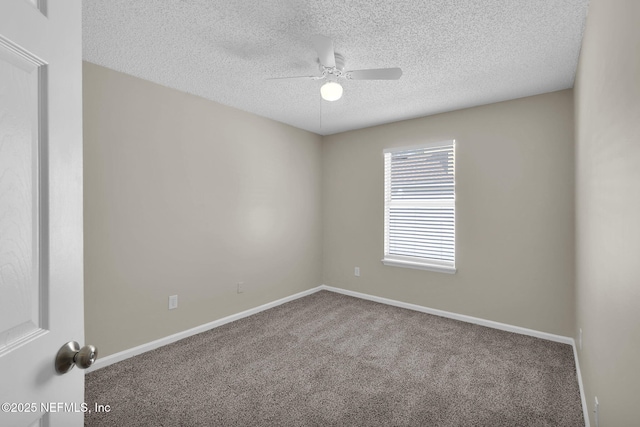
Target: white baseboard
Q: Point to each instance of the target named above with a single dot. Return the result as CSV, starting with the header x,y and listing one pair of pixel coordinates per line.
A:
x,y
126,354
117,357
585,411
456,316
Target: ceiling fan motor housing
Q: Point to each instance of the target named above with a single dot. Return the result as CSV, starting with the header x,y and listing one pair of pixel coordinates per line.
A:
x,y
338,70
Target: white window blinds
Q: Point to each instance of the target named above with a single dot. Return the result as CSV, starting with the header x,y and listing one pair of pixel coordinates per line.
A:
x,y
419,214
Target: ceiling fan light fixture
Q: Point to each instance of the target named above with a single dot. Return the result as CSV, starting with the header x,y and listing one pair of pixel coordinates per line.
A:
x,y
331,91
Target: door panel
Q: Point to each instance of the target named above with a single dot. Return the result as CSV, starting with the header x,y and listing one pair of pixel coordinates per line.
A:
x,y
20,210
41,283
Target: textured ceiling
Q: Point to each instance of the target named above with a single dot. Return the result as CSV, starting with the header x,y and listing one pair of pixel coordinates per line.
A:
x,y
454,53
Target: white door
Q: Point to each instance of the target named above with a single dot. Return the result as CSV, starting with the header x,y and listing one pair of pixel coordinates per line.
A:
x,y
41,275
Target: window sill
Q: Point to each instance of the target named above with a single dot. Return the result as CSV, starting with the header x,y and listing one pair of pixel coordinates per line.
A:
x,y
418,266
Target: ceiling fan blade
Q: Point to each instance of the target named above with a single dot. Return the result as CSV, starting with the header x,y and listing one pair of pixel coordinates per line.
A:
x,y
375,74
296,78
324,47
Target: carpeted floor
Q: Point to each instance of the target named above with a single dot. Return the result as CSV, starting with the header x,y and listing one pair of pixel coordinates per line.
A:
x,y
332,360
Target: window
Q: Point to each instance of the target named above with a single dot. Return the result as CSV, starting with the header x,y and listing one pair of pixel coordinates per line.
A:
x,y
419,207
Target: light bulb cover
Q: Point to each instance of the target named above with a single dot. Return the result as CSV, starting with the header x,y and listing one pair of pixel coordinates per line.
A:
x,y
331,91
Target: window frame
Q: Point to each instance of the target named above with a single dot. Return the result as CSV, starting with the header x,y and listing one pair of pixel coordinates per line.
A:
x,y
420,263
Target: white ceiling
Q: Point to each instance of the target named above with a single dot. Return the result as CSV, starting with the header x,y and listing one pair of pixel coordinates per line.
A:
x,y
454,53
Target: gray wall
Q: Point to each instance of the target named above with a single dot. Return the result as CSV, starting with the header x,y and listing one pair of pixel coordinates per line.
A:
x,y
185,196
607,98
514,213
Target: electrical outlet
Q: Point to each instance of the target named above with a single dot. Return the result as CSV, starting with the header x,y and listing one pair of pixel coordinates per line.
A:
x,y
596,411
357,272
173,302
580,339
240,287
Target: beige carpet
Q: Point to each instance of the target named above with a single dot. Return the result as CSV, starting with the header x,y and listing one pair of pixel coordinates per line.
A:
x,y
333,360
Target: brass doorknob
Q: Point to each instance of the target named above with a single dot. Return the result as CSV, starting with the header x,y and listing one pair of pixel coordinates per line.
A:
x,y
71,354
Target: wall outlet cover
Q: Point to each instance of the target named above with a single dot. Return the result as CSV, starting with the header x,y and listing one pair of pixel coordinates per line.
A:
x,y
580,339
173,302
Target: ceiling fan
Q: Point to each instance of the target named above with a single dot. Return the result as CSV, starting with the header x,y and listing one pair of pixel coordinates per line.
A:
x,y
332,69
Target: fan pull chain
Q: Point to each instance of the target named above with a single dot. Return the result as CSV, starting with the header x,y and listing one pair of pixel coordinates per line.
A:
x,y
320,98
